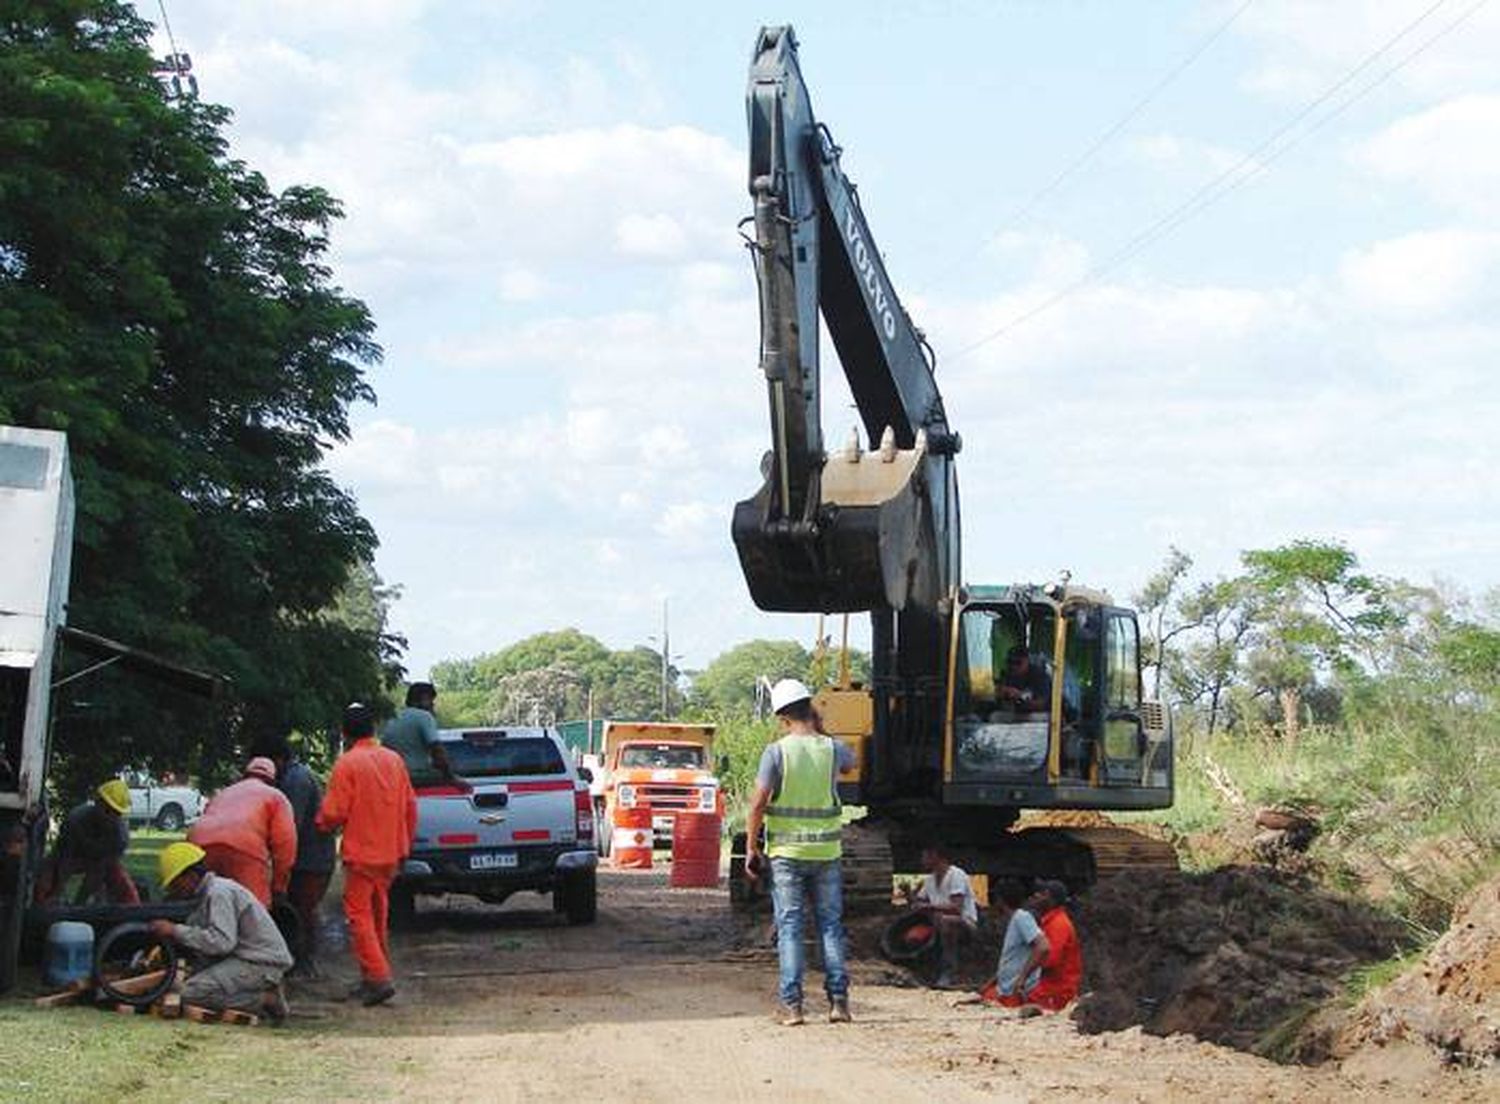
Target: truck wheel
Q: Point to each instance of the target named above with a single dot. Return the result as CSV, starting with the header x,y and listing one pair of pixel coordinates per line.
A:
x,y
169,819
578,896
403,908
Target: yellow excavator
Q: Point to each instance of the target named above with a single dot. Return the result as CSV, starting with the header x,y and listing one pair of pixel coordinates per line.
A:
x,y
984,701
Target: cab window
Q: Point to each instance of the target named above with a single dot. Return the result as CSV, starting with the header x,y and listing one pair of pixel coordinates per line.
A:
x,y
1122,672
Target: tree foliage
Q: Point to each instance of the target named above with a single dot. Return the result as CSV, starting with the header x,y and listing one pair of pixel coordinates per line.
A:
x,y
553,676
176,317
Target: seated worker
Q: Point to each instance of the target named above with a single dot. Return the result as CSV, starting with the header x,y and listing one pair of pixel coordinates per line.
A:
x,y
1025,687
1022,951
92,842
1062,971
947,898
240,956
413,735
249,833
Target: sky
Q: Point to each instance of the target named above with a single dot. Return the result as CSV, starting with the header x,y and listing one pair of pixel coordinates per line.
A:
x,y
1217,275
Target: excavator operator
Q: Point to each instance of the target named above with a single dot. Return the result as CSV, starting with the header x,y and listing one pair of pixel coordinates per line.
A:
x,y
1025,687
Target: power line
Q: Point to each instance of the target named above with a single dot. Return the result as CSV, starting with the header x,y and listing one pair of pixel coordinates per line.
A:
x,y
1020,214
1236,175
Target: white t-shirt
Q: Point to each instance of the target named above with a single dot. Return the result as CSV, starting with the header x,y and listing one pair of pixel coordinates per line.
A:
x,y
955,883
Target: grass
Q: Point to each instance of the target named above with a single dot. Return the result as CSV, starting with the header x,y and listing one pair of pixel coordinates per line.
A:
x,y
141,859
81,1054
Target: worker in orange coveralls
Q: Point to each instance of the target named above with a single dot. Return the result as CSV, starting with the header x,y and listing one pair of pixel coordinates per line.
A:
x,y
1062,969
370,797
249,833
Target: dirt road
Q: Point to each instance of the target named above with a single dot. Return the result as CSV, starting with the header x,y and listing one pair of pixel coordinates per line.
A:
x,y
665,998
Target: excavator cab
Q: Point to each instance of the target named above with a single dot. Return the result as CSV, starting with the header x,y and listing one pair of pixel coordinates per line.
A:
x,y
1045,704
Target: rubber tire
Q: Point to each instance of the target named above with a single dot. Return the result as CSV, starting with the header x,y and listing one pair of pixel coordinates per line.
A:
x,y
578,896
169,818
135,930
403,908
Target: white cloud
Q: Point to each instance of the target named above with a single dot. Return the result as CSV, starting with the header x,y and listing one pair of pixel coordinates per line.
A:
x,y
522,285
1438,272
1449,151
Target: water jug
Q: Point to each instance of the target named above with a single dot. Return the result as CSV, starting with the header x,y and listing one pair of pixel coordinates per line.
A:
x,y
70,953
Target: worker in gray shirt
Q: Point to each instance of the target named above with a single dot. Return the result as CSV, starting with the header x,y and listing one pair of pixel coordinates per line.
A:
x,y
413,735
315,850
239,954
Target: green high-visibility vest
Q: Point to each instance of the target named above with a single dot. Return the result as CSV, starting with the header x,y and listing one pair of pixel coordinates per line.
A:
x,y
805,820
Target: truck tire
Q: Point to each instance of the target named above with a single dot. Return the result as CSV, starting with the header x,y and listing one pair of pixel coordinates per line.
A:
x,y
169,818
578,897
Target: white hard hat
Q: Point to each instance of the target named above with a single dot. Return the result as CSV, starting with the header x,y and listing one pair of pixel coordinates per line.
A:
x,y
786,692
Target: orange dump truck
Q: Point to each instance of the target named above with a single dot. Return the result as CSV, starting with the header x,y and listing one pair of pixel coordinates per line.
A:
x,y
666,768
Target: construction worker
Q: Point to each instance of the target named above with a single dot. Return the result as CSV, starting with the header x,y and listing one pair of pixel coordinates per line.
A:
x,y
249,833
1062,970
315,850
241,955
371,799
796,798
946,897
92,842
413,735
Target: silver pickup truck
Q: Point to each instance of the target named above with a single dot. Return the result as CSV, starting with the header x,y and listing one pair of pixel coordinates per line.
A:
x,y
521,818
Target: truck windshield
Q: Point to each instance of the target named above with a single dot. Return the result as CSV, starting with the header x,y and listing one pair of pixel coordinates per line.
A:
x,y
662,757
485,755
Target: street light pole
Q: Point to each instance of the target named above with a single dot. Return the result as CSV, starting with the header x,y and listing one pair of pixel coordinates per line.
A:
x,y
666,652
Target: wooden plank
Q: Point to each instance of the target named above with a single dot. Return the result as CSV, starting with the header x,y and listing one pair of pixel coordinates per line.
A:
x,y
133,986
199,1014
232,1016
71,995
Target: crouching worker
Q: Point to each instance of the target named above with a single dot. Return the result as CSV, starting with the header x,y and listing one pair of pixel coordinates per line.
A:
x,y
240,955
92,843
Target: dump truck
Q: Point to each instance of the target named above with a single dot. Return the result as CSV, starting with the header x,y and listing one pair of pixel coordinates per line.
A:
x,y
984,699
665,767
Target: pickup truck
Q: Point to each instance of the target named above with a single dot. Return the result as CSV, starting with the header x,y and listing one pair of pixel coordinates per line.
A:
x,y
662,767
520,817
168,806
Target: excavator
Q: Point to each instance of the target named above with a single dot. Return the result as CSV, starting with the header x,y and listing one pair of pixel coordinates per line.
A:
x,y
984,700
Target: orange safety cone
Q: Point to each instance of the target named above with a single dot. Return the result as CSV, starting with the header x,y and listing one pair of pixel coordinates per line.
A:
x,y
632,841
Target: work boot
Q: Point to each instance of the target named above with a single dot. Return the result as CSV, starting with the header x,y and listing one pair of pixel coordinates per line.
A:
x,y
789,1015
275,1006
377,992
838,1010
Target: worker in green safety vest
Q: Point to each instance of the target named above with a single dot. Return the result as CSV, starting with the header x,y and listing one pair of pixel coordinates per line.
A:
x,y
796,798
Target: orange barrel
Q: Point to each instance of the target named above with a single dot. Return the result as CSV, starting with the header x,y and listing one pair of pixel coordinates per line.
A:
x,y
630,845
695,850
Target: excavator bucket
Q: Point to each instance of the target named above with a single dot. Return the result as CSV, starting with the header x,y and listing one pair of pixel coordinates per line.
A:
x,y
864,547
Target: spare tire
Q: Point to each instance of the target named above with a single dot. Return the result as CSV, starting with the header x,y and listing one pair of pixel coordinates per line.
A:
x,y
123,943
909,940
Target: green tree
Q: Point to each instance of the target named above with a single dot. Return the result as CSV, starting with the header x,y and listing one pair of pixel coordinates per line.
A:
x,y
176,317
1158,607
728,684
1316,612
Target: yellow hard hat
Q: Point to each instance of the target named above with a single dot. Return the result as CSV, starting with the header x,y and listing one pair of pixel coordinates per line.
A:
x,y
177,857
116,795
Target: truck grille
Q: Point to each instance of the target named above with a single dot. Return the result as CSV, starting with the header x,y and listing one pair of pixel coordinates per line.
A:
x,y
669,797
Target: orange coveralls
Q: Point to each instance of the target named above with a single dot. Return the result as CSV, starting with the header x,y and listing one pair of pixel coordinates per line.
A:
x,y
1062,972
250,837
370,797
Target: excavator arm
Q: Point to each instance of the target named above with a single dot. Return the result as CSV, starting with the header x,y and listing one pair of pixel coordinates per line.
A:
x,y
857,530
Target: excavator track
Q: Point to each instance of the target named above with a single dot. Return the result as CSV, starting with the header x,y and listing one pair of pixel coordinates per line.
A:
x,y
1120,850
869,871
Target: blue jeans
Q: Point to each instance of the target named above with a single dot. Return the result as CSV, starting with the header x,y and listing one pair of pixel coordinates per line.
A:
x,y
792,882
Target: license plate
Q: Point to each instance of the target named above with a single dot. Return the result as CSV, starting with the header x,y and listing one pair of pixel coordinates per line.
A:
x,y
493,860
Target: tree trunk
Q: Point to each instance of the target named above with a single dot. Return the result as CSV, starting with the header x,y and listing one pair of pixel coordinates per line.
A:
x,y
1291,715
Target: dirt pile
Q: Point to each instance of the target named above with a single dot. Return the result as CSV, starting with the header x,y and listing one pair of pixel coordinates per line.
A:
x,y
1451,1002
1234,956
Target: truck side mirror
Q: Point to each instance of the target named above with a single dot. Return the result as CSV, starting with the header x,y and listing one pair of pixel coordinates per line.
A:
x,y
585,774
723,764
